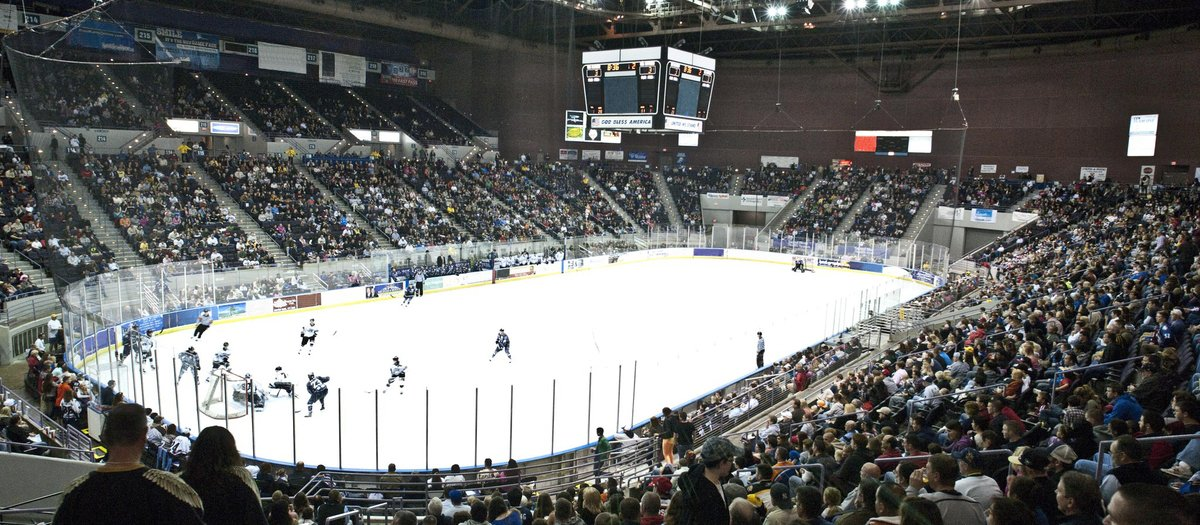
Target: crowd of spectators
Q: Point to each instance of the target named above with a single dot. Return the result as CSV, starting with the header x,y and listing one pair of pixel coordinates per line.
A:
x,y
687,184
829,202
636,193
164,212
893,203
573,188
23,230
552,214
773,180
276,112
58,238
456,118
999,194
194,100
335,104
380,192
76,96
459,190
412,118
290,208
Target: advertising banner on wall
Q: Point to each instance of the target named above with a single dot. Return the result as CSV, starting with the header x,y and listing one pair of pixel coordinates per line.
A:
x,y
568,154
591,154
396,74
987,168
614,154
282,58
1094,172
106,36
983,215
345,70
639,156
201,50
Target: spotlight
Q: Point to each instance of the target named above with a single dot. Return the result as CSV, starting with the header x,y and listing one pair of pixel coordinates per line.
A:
x,y
777,12
706,51
679,43
642,42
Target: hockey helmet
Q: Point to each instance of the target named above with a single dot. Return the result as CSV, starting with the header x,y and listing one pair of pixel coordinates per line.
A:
x,y
310,375
278,368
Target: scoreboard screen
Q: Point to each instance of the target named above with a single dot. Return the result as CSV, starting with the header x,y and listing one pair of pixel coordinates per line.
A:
x,y
621,88
688,90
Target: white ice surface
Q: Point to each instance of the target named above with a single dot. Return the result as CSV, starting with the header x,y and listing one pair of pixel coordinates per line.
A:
x,y
687,326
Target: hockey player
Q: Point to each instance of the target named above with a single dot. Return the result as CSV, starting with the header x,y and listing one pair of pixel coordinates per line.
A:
x,y
148,344
409,292
220,361
253,395
398,371
308,336
316,391
203,323
189,360
799,265
129,340
281,383
502,343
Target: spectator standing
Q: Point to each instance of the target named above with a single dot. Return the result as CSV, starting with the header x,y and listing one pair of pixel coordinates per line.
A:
x,y
215,471
54,333
104,496
702,501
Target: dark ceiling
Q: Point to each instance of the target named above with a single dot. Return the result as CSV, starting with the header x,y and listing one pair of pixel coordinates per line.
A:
x,y
741,28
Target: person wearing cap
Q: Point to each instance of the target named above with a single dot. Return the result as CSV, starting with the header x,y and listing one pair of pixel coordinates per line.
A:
x,y
973,483
1129,466
784,512
1032,463
938,478
455,505
702,499
1062,460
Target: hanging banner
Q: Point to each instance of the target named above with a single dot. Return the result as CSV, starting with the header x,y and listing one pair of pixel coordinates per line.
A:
x,y
591,154
346,70
106,36
568,154
614,154
201,50
398,74
275,57
1094,172
983,215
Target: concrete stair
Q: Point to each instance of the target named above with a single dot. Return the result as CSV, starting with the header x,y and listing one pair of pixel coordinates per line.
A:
x,y
924,213
348,140
1024,200
613,203
91,210
792,206
737,182
376,235
848,220
668,200
243,219
212,88
395,125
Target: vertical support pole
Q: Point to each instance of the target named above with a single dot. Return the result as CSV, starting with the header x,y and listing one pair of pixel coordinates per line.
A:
x,y
197,383
224,400
553,407
376,429
589,410
157,380
175,377
477,425
294,411
253,444
618,425
426,429
339,405
511,392
633,398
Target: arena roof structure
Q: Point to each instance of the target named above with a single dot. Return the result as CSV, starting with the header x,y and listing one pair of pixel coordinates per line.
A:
x,y
743,29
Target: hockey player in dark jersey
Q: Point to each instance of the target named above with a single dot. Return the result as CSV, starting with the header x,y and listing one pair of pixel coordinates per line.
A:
x,y
799,265
189,360
317,390
408,294
398,372
502,343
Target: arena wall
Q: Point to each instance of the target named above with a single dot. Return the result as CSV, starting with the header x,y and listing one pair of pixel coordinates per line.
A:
x,y
1054,111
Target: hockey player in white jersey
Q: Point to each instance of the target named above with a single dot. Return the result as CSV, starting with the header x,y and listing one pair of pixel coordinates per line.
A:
x,y
147,345
502,344
308,336
220,361
317,390
398,371
281,383
189,360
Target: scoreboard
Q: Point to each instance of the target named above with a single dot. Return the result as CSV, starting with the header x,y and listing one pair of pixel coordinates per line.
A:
x,y
622,88
654,89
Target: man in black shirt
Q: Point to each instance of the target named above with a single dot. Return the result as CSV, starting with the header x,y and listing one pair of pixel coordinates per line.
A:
x,y
108,495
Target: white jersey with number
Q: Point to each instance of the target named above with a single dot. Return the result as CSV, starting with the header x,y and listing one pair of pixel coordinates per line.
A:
x,y
398,370
308,331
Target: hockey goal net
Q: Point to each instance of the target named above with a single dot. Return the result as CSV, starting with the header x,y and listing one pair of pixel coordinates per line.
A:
x,y
226,395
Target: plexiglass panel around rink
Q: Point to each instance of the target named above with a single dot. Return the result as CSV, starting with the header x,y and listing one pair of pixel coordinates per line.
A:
x,y
605,333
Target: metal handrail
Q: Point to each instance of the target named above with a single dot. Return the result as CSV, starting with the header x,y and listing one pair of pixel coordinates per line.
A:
x,y
355,512
1103,447
28,501
1061,371
910,402
42,445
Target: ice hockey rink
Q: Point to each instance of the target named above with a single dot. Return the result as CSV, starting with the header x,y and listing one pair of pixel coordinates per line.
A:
x,y
608,347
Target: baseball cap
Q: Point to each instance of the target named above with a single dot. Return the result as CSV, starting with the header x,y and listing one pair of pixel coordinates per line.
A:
x,y
718,448
456,496
968,455
780,497
1037,458
1064,454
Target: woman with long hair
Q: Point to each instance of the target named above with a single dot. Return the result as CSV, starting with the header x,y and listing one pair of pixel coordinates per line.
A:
x,y
214,470
544,507
500,514
591,505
